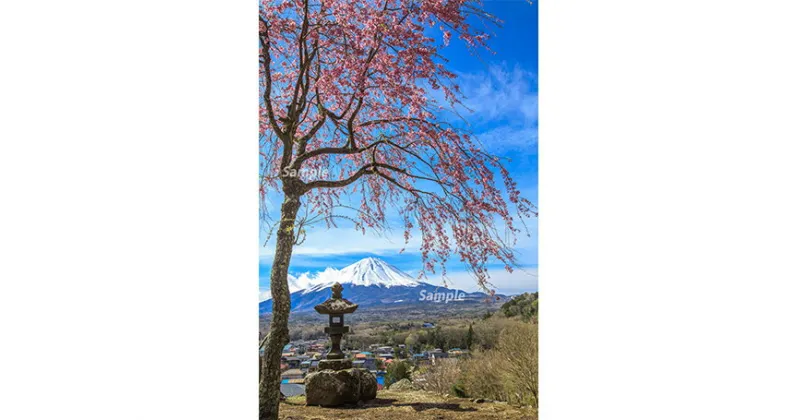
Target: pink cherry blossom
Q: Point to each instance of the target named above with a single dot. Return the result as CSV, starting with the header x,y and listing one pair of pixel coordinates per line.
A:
x,y
347,87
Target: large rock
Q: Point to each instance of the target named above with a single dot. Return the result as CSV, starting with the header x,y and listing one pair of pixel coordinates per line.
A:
x,y
340,364
401,385
337,387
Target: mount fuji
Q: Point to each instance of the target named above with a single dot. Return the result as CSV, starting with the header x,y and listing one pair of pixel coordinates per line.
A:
x,y
368,282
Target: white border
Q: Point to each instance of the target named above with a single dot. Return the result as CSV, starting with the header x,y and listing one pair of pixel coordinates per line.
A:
x,y
669,210
128,172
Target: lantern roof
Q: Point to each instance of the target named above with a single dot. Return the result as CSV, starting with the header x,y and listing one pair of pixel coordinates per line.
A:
x,y
336,305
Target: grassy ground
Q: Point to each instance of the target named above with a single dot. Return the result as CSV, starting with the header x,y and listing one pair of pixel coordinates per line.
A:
x,y
409,405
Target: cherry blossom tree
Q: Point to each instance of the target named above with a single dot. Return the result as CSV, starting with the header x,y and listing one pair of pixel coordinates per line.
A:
x,y
354,102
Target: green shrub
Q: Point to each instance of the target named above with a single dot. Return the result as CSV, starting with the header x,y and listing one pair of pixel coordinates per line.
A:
x,y
525,305
458,389
397,370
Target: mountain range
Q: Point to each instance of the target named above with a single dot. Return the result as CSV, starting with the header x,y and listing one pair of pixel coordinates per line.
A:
x,y
370,282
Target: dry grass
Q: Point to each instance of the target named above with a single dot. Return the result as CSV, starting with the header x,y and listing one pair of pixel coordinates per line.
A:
x,y
438,378
508,372
410,405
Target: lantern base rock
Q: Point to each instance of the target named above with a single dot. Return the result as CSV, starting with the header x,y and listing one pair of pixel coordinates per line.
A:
x,y
329,388
334,364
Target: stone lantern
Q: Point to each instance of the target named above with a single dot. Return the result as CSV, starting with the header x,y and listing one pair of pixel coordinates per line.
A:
x,y
335,308
337,382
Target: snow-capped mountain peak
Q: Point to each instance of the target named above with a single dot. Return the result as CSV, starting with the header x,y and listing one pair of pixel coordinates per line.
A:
x,y
366,272
368,282
375,272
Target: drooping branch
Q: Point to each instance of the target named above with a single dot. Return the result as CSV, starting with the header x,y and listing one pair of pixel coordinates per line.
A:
x,y
333,151
342,182
266,58
298,102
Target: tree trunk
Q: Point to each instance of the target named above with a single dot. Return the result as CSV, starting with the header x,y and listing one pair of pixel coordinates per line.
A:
x,y
269,388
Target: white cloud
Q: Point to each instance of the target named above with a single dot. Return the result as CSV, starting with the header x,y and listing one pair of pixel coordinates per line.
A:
x,y
500,94
346,240
304,281
506,138
343,241
308,279
497,95
525,279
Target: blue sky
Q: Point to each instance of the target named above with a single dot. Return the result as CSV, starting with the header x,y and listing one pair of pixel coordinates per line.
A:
x,y
502,90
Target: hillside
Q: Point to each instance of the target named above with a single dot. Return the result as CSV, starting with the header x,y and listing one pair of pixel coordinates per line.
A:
x,y
408,405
